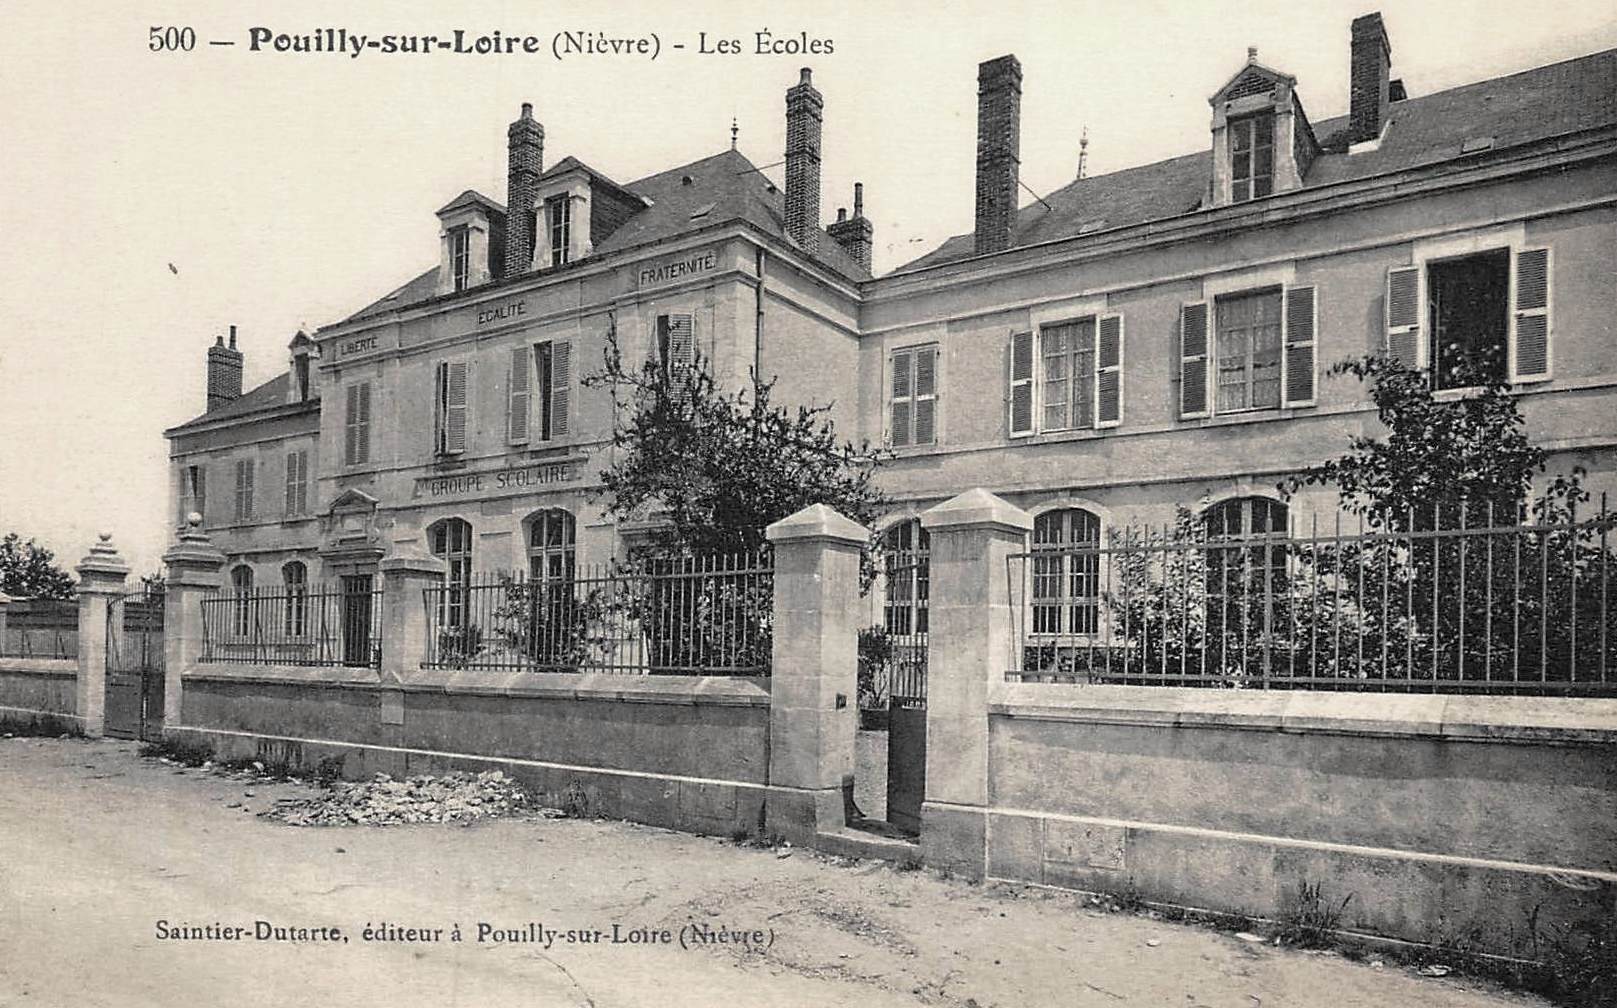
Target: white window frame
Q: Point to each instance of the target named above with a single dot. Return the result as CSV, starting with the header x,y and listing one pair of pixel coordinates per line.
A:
x,y
1510,238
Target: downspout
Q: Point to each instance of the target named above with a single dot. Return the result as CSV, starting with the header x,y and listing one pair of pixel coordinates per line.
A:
x,y
758,323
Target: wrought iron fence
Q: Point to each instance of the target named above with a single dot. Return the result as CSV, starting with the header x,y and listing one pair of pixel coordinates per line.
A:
x,y
1451,603
694,615
893,648
41,628
330,625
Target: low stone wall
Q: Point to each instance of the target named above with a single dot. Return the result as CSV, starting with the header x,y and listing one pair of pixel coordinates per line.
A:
x,y
1457,821
38,694
682,752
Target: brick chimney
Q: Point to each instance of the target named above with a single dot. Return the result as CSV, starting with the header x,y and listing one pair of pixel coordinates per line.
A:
x,y
853,233
224,371
999,150
805,113
525,163
1368,85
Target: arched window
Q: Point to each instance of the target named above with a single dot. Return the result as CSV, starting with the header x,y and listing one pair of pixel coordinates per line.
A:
x,y
1246,577
241,585
1066,572
295,581
906,567
551,543
450,540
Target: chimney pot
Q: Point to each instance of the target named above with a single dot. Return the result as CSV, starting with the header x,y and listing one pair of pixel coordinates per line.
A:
x,y
232,337
858,199
999,146
1251,54
805,76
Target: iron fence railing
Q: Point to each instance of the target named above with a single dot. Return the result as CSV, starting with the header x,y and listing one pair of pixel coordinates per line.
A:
x,y
1458,606
893,647
327,625
41,628
694,615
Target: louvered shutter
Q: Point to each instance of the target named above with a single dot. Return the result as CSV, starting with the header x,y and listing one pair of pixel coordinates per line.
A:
x,y
561,385
926,396
200,493
1021,387
350,452
184,496
903,366
1300,340
519,385
1109,371
244,490
1530,329
681,352
1193,361
291,483
1404,343
455,408
364,439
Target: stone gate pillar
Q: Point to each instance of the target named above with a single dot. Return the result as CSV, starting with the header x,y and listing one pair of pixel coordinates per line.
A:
x,y
193,572
814,670
971,644
406,574
101,580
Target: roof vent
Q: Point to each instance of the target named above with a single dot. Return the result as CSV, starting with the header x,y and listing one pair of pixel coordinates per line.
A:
x,y
686,180
702,211
1474,144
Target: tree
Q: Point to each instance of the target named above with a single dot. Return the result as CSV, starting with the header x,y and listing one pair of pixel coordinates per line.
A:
x,y
715,467
28,570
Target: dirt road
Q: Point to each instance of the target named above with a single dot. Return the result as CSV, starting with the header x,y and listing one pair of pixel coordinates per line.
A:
x,y
97,846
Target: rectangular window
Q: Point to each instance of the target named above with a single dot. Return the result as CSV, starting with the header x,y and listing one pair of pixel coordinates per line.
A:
x,y
913,404
1067,353
1468,315
449,412
357,425
460,256
244,490
1247,348
559,218
193,492
297,483
1252,156
552,362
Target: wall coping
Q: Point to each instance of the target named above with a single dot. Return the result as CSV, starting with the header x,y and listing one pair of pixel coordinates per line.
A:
x,y
1565,720
60,668
725,691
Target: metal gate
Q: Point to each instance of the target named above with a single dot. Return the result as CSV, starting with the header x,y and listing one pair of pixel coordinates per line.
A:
x,y
907,571
135,665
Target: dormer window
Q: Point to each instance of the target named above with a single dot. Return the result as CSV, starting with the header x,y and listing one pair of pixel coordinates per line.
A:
x,y
460,257
1252,156
559,219
300,377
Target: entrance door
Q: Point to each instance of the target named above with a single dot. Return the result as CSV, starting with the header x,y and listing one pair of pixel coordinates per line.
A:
x,y
358,642
907,573
134,698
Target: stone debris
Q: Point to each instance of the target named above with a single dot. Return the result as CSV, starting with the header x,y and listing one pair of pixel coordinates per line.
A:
x,y
383,801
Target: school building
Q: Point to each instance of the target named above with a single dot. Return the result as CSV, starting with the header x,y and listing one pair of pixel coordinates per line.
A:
x,y
1153,337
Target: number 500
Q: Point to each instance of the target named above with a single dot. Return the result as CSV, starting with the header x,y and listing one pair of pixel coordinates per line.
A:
x,y
171,39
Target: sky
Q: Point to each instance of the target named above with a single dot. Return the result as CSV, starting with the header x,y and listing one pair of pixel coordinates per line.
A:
x,y
148,200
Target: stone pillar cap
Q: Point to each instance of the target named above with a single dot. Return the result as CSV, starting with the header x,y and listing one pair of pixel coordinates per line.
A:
x,y
194,548
409,558
977,508
818,522
103,559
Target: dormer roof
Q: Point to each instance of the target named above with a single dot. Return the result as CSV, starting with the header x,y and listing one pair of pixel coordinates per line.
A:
x,y
1253,78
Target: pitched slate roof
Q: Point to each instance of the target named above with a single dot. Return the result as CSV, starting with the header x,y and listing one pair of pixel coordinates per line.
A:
x,y
264,397
726,185
1536,104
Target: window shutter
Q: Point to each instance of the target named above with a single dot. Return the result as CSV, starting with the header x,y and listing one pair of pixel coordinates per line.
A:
x,y
1193,361
455,408
519,384
681,353
1021,391
244,489
186,507
1404,343
201,492
363,441
561,384
926,396
292,483
1109,371
1300,343
1530,329
350,452
899,435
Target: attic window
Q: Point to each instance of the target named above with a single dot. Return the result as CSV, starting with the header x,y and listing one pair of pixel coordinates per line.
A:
x,y
1252,156
702,211
1473,144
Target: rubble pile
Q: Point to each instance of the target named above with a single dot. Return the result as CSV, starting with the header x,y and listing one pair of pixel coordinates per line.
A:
x,y
383,801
